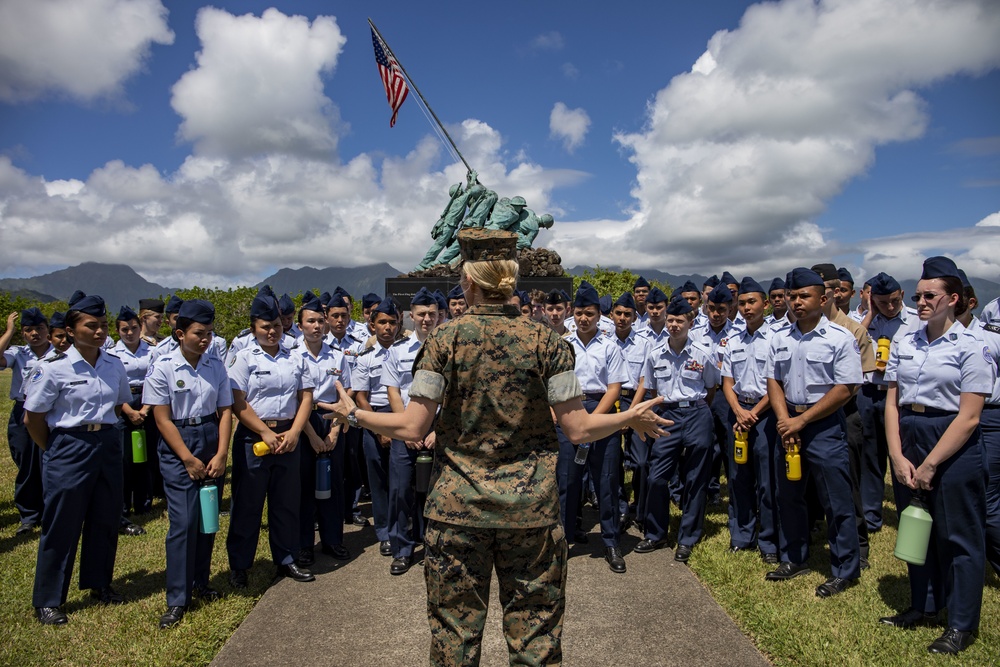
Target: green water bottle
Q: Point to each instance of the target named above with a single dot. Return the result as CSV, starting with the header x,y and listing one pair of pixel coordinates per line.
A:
x,y
914,532
138,446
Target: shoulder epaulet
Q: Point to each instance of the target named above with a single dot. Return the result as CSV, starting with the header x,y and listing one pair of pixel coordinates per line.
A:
x,y
367,350
111,354
245,332
992,328
56,357
400,342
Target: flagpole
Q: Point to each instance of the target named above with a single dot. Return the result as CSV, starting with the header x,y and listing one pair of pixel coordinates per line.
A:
x,y
420,95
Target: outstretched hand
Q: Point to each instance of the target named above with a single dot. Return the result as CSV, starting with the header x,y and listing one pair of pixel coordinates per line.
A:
x,y
340,409
647,423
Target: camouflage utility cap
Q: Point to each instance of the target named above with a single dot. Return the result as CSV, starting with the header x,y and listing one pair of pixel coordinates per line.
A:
x,y
487,244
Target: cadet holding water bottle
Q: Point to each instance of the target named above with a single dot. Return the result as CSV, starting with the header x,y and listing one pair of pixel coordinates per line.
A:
x,y
191,398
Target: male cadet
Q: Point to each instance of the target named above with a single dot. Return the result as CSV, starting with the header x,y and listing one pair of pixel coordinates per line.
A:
x,y
406,511
286,309
555,312
27,457
538,306
359,330
843,294
753,520
217,347
456,302
692,295
640,290
635,347
812,369
855,430
730,281
368,303
776,297
366,380
685,374
709,285
886,318
655,330
864,305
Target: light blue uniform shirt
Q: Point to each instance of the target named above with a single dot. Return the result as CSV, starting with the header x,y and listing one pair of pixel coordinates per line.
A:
x,y
271,384
367,375
190,392
716,341
216,348
243,341
809,365
891,329
681,377
327,368
136,364
990,335
359,330
654,339
744,359
397,369
74,393
21,361
641,322
935,375
636,348
991,312
598,363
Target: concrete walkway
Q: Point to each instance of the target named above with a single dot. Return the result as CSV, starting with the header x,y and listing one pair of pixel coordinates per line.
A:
x,y
356,614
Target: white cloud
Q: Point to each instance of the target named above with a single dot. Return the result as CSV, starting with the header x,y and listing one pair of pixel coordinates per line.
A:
x,y
992,220
774,120
258,85
85,49
548,41
568,125
570,71
975,249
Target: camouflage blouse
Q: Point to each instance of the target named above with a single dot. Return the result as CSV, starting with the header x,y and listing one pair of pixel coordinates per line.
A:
x,y
495,375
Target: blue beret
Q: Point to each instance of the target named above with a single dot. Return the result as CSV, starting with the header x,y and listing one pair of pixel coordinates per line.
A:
x,y
939,267
776,284
688,287
803,277
387,307
197,310
626,300
845,275
456,293
57,321
883,283
965,279
32,317
324,299
264,308
173,304
285,305
125,314
312,302
441,299
748,285
712,282
641,282
370,299
91,305
721,294
680,306
586,295
729,278
554,297
606,304
423,297
656,295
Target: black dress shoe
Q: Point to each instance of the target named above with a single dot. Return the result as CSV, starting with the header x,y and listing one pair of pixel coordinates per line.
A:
x,y
293,571
51,616
205,593
384,548
864,563
400,565
338,551
910,618
833,586
733,549
359,520
787,571
126,527
647,545
615,560
23,529
107,595
624,523
306,557
581,537
238,579
172,617
769,558
682,553
952,641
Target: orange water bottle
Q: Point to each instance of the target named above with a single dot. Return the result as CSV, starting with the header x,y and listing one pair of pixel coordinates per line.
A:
x,y
882,353
793,464
740,447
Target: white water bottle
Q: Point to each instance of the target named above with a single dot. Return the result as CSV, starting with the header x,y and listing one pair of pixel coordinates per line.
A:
x,y
581,453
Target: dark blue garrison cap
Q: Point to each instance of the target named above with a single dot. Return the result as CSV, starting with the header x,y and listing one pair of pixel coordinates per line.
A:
x,y
720,294
265,290
656,295
803,277
58,320
554,297
423,297
939,267
845,275
626,300
90,305
285,305
883,283
324,299
173,304
387,307
264,308
32,317
680,306
712,282
729,278
125,314
688,287
565,296
776,284
312,302
342,292
525,297
456,293
441,299
370,299
640,282
586,295
197,310
749,285
965,279
606,304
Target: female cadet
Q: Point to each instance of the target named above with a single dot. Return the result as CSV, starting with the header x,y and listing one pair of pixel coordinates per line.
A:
x,y
327,366
150,318
71,408
272,399
57,332
494,501
191,399
135,354
939,376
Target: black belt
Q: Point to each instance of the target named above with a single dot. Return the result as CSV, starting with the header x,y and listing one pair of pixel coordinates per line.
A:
x,y
279,424
135,390
594,397
918,409
681,404
798,409
991,406
627,393
83,428
747,400
195,421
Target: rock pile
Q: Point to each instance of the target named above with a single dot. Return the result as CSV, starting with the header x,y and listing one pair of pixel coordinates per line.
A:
x,y
534,263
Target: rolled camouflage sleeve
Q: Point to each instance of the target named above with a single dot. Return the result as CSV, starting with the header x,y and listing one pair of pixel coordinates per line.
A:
x,y
428,376
561,381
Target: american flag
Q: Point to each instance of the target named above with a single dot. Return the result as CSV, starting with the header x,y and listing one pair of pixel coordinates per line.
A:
x,y
392,77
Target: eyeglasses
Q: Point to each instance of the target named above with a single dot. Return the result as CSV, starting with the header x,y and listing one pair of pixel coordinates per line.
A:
x,y
926,296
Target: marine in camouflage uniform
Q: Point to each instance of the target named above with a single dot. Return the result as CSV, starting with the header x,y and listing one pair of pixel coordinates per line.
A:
x,y
494,501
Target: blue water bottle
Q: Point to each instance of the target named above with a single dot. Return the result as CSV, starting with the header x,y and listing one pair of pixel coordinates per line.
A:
x,y
208,502
324,477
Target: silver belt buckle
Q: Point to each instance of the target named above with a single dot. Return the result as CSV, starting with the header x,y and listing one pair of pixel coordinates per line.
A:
x,y
916,407
271,423
195,421
801,408
882,387
684,404
93,427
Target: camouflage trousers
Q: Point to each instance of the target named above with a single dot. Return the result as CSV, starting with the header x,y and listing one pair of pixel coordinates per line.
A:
x,y
531,569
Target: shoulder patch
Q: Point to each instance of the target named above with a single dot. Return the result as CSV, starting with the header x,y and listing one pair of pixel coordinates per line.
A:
x,y
992,328
232,360
37,374
987,355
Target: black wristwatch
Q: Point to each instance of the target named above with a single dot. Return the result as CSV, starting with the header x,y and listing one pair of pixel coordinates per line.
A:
x,y
352,420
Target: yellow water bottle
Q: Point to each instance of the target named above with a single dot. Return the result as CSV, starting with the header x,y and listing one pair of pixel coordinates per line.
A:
x,y
740,447
260,448
793,464
882,353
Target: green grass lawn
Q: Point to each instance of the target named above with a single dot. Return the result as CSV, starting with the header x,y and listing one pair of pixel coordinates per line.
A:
x,y
784,619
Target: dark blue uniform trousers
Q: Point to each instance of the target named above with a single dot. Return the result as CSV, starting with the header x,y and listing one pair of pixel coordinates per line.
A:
x,y
687,451
752,487
826,462
189,551
602,462
136,476
720,461
82,478
28,459
354,475
406,508
990,425
636,459
954,572
377,458
874,453
328,513
275,477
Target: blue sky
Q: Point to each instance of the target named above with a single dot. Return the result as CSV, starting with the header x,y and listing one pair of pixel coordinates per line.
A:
x,y
863,130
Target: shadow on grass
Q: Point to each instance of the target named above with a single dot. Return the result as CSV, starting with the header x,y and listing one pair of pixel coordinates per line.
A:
x,y
894,589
